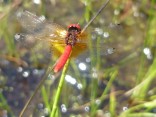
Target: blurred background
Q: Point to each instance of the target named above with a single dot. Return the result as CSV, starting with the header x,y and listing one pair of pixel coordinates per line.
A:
x,y
99,82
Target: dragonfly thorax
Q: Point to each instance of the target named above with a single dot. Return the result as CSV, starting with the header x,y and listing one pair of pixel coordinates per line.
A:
x,y
72,35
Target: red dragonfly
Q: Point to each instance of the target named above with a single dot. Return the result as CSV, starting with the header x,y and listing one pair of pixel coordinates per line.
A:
x,y
74,40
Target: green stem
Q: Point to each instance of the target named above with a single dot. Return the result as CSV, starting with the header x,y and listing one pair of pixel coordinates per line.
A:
x,y
59,89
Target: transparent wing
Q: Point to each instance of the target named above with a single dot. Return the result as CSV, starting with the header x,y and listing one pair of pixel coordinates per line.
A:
x,y
39,33
100,48
100,45
39,27
35,54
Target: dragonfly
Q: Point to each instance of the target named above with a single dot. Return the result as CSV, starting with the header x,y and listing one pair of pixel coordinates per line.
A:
x,y
74,40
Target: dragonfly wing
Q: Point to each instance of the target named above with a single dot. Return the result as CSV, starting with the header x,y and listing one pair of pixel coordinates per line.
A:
x,y
30,21
39,27
39,31
44,45
99,46
102,49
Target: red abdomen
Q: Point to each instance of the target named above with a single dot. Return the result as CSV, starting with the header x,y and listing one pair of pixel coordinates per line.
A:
x,y
62,60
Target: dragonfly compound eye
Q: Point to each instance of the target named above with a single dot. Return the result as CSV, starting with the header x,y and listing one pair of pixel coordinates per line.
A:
x,y
74,26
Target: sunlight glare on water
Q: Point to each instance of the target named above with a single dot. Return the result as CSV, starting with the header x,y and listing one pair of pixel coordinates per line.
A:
x,y
110,50
98,102
105,34
19,69
38,72
116,12
26,74
42,18
51,77
87,109
82,66
46,111
17,37
93,36
147,52
63,108
79,86
37,1
125,108
70,79
99,31
94,73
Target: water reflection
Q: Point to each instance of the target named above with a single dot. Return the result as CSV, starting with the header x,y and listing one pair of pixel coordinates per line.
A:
x,y
87,108
73,82
51,77
82,66
26,74
70,80
79,86
106,34
116,12
37,1
19,69
125,108
63,108
148,53
98,102
94,72
46,111
99,31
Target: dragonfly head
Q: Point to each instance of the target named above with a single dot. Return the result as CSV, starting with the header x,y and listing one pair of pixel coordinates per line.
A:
x,y
74,27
